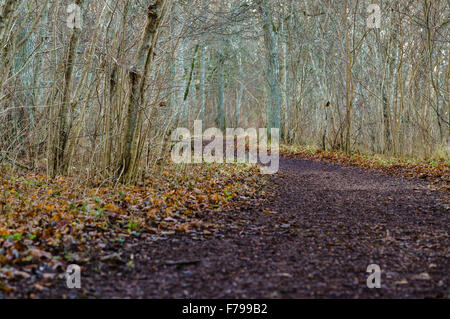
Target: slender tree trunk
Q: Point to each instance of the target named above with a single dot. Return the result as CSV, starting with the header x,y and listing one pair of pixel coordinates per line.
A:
x,y
65,111
240,92
286,127
221,112
274,111
202,81
137,75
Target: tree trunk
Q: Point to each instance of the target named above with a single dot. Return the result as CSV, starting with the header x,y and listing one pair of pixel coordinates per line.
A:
x,y
137,74
202,81
65,111
274,112
221,112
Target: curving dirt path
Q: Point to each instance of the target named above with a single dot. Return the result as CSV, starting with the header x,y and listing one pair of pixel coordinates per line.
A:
x,y
314,239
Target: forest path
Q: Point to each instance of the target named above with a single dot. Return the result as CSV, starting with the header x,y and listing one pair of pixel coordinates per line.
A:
x,y
315,239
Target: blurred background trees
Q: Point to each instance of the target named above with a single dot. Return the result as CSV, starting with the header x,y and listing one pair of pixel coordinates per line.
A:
x,y
102,100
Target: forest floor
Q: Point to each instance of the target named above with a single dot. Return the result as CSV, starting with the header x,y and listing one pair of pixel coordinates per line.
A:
x,y
310,234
